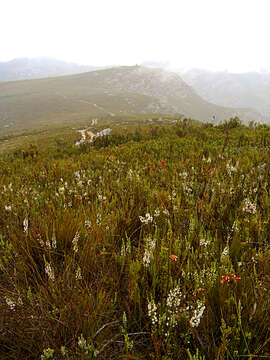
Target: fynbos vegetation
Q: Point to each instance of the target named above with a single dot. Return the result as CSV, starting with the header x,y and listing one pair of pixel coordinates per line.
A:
x,y
149,243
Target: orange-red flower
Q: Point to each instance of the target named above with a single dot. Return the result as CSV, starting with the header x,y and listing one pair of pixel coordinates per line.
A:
x,y
163,162
227,278
196,292
174,257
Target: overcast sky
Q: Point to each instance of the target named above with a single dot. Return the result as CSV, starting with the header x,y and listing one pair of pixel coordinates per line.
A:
x,y
228,35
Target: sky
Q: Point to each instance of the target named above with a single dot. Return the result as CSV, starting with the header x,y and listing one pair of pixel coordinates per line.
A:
x,y
231,35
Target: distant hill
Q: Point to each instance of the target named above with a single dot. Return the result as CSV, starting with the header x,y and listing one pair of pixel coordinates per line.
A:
x,y
24,68
109,92
238,90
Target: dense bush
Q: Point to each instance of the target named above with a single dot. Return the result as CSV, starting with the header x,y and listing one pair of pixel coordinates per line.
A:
x,y
153,245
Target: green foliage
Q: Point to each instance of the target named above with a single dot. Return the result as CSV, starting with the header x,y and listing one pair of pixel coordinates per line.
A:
x,y
151,243
47,354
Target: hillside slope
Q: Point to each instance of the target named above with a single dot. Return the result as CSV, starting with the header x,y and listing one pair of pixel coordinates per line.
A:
x,y
110,92
237,90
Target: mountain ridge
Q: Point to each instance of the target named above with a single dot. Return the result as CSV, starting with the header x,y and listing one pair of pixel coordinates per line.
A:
x,y
116,91
40,67
232,89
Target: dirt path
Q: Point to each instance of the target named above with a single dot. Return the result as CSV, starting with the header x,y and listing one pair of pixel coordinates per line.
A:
x,y
97,106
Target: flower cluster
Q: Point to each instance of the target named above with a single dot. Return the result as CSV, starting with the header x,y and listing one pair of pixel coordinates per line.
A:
x,y
197,314
173,300
203,278
78,273
147,257
75,242
49,271
204,242
101,197
98,219
229,278
87,224
230,168
249,207
25,226
183,175
147,219
11,304
152,312
132,174
157,213
149,251
225,253
54,243
81,341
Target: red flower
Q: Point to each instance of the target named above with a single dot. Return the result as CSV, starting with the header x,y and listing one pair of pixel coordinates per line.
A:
x,y
228,278
163,162
174,257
